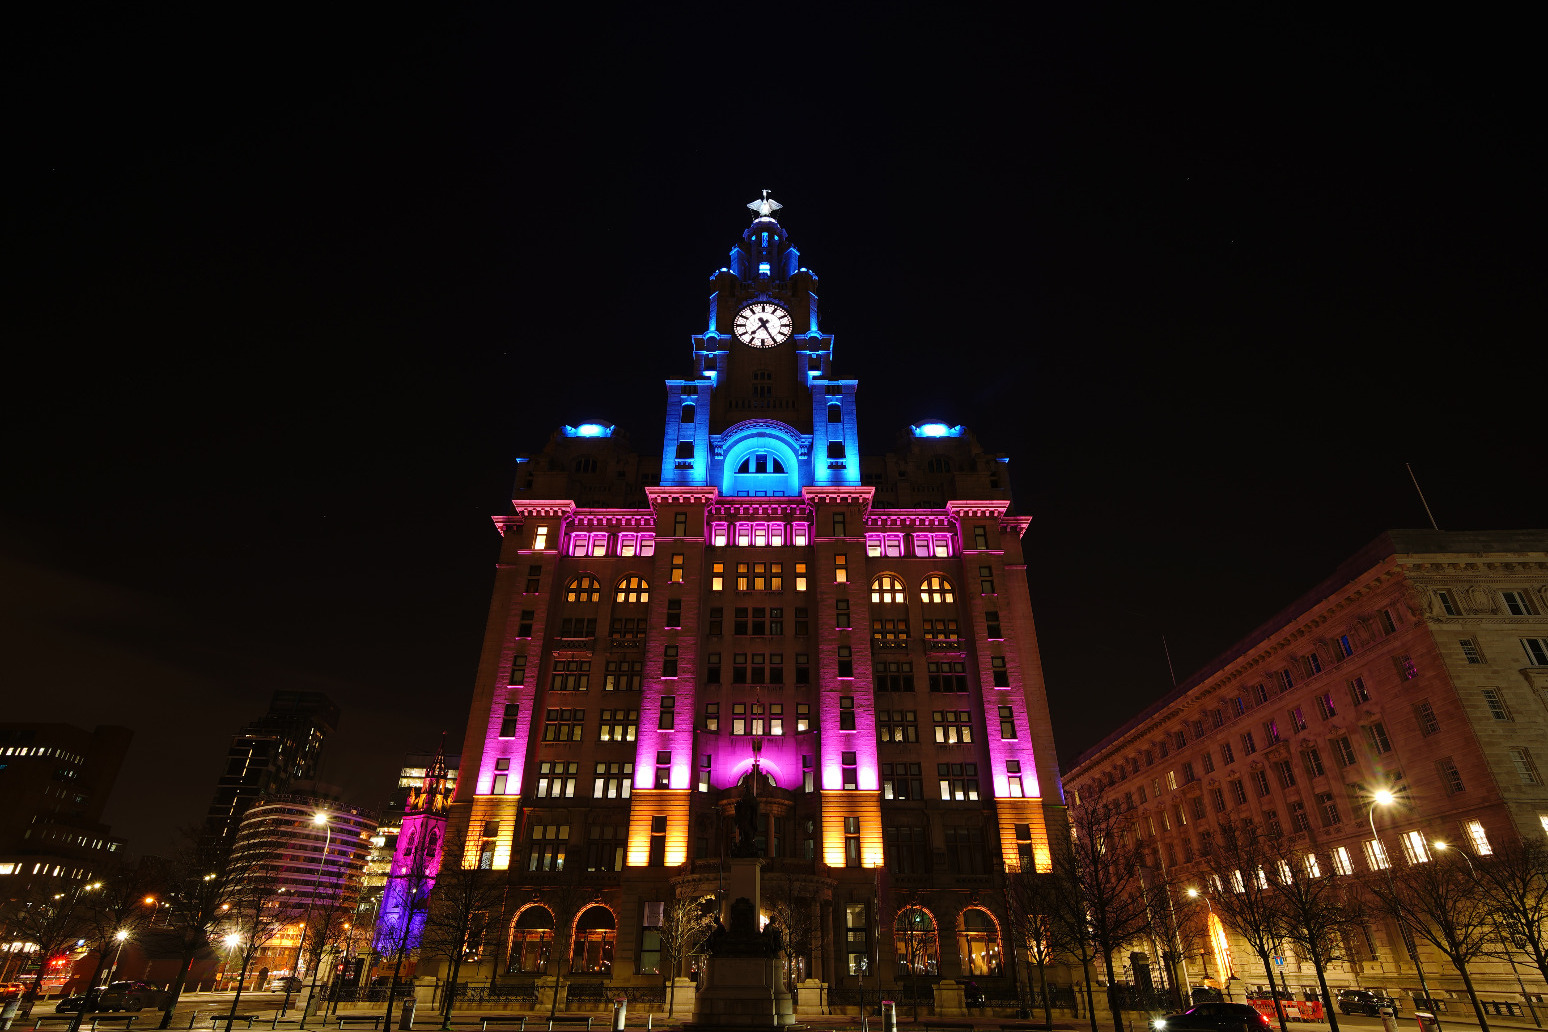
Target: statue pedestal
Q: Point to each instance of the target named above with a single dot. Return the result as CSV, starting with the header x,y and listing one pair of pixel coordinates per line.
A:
x,y
743,984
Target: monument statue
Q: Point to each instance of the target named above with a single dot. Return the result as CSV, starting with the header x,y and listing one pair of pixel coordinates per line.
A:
x,y
747,821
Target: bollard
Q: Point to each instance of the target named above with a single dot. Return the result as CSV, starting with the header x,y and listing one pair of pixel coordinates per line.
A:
x,y
620,1013
648,1018
889,1016
1388,1020
406,1019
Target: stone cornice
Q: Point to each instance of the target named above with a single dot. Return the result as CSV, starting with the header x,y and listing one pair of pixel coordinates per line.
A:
x,y
990,508
836,495
681,496
766,507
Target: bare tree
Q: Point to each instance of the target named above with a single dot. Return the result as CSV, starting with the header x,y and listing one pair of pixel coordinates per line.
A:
x,y
1073,918
1319,909
194,889
1514,882
1103,867
1032,904
51,918
1442,901
115,911
685,921
565,900
253,911
918,942
1238,858
459,918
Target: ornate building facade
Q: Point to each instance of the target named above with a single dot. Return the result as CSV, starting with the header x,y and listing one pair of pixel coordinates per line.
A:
x,y
1419,667
760,602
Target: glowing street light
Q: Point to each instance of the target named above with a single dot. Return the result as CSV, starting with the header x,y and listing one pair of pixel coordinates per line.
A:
x,y
121,935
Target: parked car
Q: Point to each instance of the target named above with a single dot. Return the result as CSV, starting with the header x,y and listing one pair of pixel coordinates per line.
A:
x,y
284,983
130,996
1213,1017
71,1004
1365,1001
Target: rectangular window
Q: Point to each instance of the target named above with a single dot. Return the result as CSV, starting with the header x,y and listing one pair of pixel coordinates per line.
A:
x,y
1227,754
556,779
846,662
1013,778
1424,715
1388,625
1376,738
800,534
992,624
1448,606
986,580
678,559
1238,792
618,725
1376,855
893,675
663,771
897,726
744,535
1248,745
1311,759
1171,778
623,675
563,725
1497,710
1285,771
499,782
717,576
846,712
1298,719
1261,782
1000,674
1270,732
524,625
669,661
1449,775
800,576
802,622
1208,759
803,719
952,727
1517,603
1536,650
518,670
838,525
1313,666
1470,651
958,781
674,612
1341,862
980,536
947,676
1477,838
539,538
718,534
847,766
548,846
1415,849
657,856
612,781
534,579
1327,809
856,941
1218,798
668,715
1526,768
508,722
1358,692
841,613
1301,821
1345,649
1325,708
1344,751
712,716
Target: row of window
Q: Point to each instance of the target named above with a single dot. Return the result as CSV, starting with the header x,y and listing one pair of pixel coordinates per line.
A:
x,y
1514,603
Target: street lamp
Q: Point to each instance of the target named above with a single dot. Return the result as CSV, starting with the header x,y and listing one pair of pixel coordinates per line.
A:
x,y
319,820
120,935
1384,798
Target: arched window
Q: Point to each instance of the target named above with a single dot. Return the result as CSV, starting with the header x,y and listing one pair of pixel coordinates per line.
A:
x,y
915,942
584,588
688,412
761,462
889,608
835,449
938,464
940,609
595,932
936,590
685,449
978,942
577,622
632,590
835,414
585,465
532,938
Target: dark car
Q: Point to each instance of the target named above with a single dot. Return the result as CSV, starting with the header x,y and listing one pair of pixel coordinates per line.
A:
x,y
130,996
1213,1017
70,1004
1365,1001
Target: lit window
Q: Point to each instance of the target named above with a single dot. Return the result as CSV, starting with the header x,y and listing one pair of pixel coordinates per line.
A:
x,y
1376,855
1478,838
1341,862
539,538
626,543
1415,848
841,569
718,534
936,590
648,544
744,534
887,589
799,534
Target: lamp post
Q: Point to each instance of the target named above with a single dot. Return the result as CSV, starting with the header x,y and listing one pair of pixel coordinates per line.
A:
x,y
1510,957
319,819
121,935
1384,798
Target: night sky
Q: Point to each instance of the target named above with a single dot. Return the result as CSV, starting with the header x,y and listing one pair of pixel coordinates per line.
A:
x,y
287,290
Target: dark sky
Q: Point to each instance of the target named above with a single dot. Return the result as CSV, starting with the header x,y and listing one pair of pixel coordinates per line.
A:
x,y
287,289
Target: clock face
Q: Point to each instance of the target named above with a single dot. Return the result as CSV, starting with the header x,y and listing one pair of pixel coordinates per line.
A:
x,y
763,325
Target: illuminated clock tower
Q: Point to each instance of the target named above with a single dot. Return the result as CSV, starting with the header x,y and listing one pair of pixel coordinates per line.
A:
x,y
854,635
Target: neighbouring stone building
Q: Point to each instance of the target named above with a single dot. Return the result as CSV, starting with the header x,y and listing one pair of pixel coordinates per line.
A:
x,y
1420,666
